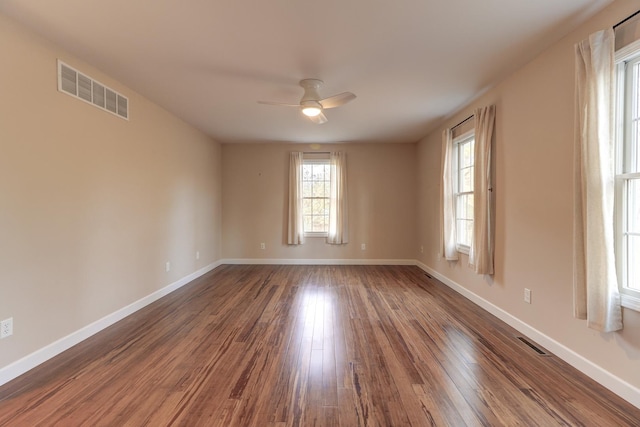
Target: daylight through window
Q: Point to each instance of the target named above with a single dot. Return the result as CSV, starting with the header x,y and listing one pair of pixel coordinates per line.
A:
x,y
463,189
316,188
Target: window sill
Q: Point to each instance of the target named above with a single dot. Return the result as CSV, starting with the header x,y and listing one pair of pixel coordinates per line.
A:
x,y
630,301
322,235
463,249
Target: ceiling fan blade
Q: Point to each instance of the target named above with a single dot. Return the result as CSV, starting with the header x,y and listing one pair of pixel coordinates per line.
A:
x,y
280,104
337,100
319,119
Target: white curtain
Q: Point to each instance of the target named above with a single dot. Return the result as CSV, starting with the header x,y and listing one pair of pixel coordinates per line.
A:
x,y
447,202
338,218
595,284
481,252
295,233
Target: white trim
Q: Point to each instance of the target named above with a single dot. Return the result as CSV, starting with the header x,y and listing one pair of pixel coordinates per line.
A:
x,y
627,391
315,261
629,301
627,52
34,359
316,234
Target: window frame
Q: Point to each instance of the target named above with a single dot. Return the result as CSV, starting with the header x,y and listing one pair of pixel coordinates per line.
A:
x,y
457,142
324,160
624,58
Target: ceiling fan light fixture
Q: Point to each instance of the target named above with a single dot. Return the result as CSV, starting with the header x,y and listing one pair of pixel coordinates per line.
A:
x,y
311,108
311,111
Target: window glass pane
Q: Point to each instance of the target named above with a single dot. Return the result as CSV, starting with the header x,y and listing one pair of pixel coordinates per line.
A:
x,y
632,151
461,231
306,172
632,89
465,207
466,180
633,263
308,223
633,205
318,189
469,232
306,206
318,172
318,223
466,154
463,160
318,207
306,188
464,231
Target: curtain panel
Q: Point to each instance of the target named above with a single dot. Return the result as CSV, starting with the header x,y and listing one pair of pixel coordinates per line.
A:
x,y
447,202
338,218
595,283
482,246
295,230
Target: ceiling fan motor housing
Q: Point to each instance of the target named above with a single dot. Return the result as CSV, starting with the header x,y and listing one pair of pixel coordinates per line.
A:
x,y
311,87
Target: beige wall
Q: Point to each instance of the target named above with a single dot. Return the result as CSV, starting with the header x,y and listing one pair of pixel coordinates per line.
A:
x,y
534,218
91,206
381,194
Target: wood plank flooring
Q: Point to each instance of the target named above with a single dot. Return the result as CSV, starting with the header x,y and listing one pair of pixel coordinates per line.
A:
x,y
309,346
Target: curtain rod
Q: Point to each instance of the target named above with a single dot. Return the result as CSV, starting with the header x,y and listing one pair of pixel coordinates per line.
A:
x,y
462,122
316,152
625,20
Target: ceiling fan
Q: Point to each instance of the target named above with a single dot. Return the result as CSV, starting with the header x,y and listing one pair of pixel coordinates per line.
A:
x,y
311,105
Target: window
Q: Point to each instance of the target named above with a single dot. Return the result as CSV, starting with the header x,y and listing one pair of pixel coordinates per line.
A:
x,y
463,165
627,176
316,196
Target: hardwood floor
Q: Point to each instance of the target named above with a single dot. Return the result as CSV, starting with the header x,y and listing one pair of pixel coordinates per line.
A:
x,y
309,345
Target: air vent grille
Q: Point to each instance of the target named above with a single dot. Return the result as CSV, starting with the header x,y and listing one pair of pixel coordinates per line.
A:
x,y
534,347
78,85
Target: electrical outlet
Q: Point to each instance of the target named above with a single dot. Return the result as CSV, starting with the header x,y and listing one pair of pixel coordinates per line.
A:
x,y
263,246
168,266
527,295
6,328
363,246
421,249
197,254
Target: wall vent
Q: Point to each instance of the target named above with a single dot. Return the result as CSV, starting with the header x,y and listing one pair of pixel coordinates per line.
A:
x,y
533,346
74,83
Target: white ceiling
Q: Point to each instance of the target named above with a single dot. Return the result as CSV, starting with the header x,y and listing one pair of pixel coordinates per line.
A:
x,y
411,63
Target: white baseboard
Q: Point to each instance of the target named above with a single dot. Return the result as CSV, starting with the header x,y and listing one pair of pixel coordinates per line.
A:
x,y
313,261
617,385
34,359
